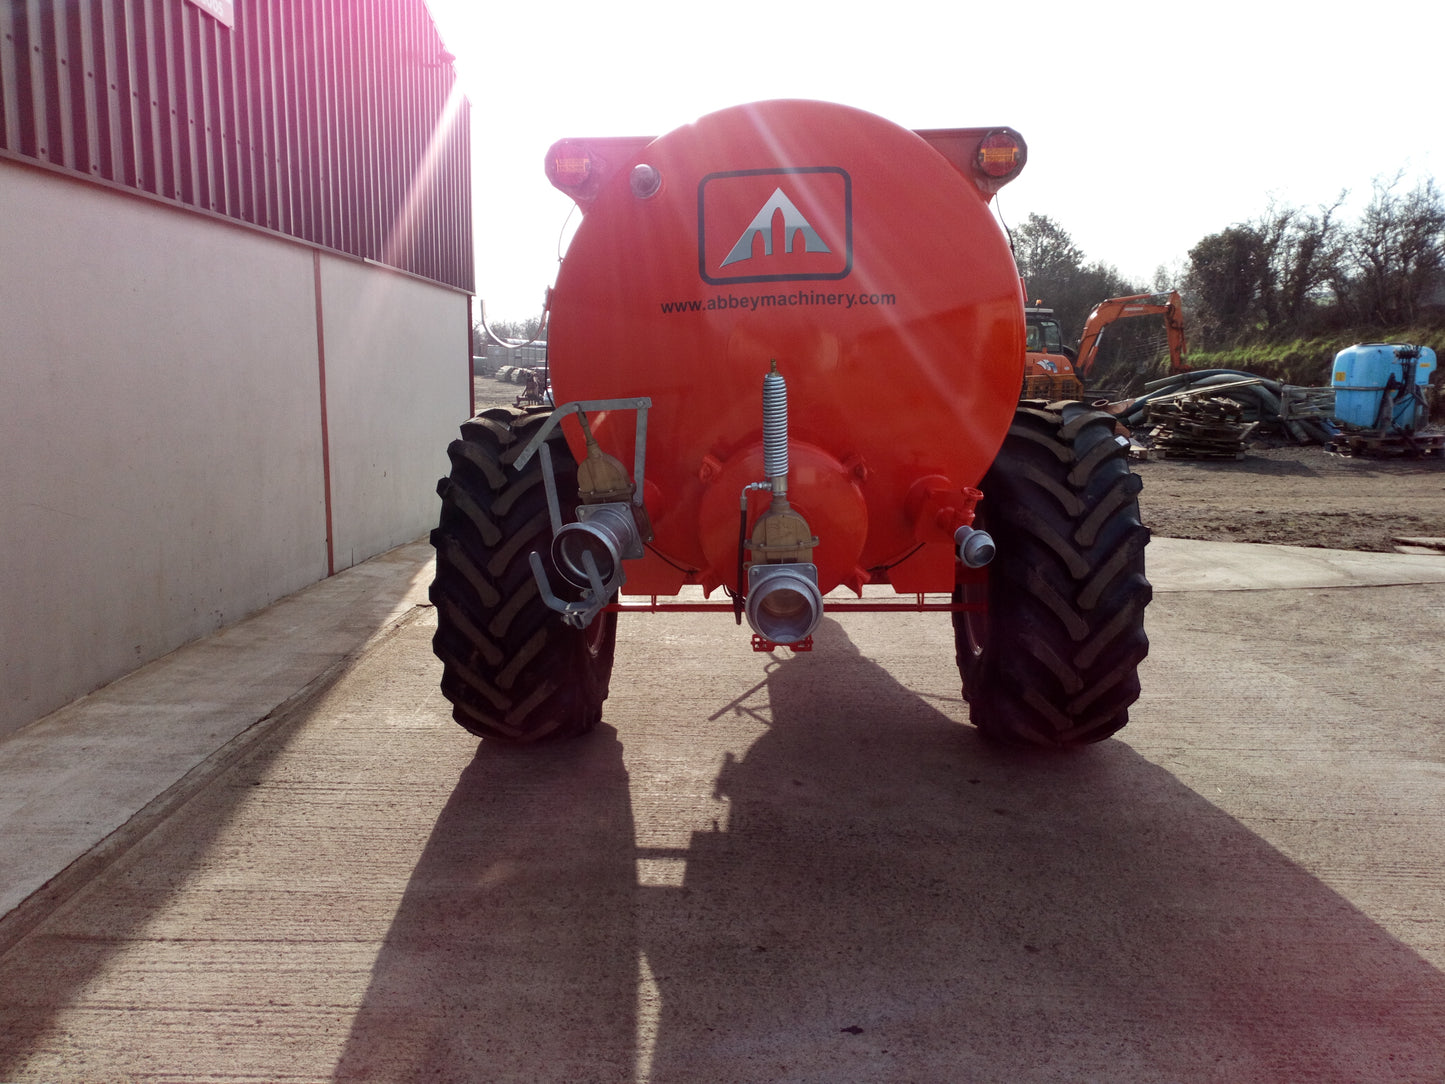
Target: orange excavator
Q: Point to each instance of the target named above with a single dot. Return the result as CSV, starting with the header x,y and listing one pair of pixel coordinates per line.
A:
x,y
1054,371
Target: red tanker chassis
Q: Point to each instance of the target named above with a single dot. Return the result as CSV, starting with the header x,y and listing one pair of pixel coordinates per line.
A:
x,y
786,344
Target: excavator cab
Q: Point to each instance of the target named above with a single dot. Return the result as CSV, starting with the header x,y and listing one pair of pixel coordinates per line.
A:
x,y
1049,364
1044,334
1053,371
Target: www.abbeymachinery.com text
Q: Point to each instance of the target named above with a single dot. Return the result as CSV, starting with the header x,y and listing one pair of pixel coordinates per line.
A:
x,y
788,299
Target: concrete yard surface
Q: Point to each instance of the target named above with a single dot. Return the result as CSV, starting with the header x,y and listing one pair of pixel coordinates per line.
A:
x,y
797,867
71,779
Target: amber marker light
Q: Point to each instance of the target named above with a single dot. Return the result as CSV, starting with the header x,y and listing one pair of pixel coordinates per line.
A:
x,y
1001,154
569,165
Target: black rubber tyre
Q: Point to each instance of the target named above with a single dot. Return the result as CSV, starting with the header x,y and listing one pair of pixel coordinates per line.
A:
x,y
512,670
1055,660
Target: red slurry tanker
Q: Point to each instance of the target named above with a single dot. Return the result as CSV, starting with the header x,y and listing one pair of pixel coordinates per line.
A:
x,y
786,347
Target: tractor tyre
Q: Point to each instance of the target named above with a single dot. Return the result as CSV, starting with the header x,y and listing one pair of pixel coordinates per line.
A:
x,y
512,669
1054,660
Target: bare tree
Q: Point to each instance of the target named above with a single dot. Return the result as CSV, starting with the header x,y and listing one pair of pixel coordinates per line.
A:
x,y
1297,252
524,330
1045,252
1055,273
1395,257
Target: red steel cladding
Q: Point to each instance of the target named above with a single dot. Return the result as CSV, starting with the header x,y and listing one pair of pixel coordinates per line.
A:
x,y
855,255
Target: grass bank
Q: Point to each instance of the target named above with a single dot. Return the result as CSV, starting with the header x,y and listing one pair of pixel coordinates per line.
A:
x,y
1308,362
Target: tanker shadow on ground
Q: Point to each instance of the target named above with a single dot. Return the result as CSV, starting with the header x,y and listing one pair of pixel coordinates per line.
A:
x,y
889,899
512,956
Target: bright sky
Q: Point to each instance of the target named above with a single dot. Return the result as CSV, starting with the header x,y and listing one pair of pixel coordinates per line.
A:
x,y
1149,125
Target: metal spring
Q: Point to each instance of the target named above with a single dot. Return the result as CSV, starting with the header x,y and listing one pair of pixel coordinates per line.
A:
x,y
775,424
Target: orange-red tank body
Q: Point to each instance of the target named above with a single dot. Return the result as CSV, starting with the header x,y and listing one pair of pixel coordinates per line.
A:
x,y
851,251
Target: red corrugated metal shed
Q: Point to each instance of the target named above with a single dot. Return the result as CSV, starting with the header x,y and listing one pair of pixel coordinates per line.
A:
x,y
338,122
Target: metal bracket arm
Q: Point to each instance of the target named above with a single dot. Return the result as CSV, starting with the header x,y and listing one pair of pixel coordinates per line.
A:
x,y
639,455
577,614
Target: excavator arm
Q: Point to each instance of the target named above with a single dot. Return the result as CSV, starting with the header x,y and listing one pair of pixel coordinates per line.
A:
x,y
1169,305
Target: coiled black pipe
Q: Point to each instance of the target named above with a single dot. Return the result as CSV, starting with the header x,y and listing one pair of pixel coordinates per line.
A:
x,y
1261,400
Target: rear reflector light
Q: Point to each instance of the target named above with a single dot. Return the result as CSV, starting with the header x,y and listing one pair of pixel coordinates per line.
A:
x,y
581,167
569,166
1001,154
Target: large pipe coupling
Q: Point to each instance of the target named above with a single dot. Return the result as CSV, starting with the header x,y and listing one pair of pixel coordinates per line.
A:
x,y
784,603
608,533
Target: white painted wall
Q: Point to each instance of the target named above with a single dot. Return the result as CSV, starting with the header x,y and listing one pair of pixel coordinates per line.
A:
x,y
385,392
161,469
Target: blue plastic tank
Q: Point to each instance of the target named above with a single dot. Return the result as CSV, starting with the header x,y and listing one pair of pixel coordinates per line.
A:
x,y
1363,371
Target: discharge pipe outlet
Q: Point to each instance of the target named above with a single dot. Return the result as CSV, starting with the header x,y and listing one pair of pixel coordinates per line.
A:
x,y
975,548
608,532
784,603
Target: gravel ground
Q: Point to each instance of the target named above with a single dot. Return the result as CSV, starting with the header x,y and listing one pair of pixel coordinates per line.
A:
x,y
1296,496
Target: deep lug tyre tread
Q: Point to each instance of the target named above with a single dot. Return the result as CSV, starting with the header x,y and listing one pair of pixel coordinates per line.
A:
x,y
510,667
1064,635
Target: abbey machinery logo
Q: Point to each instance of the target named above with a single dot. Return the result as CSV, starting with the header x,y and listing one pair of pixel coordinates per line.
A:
x,y
775,225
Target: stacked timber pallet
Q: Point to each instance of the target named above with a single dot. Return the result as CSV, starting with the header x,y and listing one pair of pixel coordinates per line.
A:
x,y
1305,414
1198,428
1362,442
